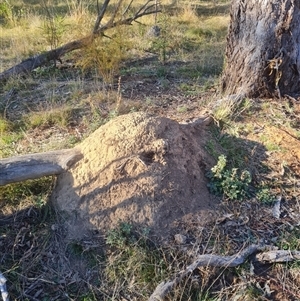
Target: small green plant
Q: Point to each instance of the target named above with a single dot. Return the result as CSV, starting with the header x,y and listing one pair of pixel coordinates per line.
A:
x,y
53,29
254,292
162,42
8,138
263,195
270,145
230,108
45,71
231,183
119,236
210,146
182,109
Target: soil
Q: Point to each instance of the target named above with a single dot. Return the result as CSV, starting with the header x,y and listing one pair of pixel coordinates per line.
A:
x,y
138,168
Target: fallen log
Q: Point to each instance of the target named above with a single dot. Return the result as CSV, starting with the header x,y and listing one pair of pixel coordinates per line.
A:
x,y
266,254
34,166
26,66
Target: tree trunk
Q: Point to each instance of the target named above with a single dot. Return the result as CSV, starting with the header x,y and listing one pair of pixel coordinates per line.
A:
x,y
263,49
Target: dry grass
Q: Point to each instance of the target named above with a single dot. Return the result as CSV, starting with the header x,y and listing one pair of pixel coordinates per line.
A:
x,y
176,75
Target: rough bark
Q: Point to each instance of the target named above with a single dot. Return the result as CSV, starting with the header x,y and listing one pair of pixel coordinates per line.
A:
x,y
42,59
263,49
34,166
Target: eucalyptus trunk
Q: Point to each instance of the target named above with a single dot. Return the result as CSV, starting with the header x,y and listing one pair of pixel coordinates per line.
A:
x,y
263,49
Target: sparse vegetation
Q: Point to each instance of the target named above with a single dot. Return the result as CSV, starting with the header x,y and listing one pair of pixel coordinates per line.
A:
x,y
264,195
175,74
135,260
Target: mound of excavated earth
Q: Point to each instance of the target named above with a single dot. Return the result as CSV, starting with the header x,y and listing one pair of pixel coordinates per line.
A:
x,y
136,168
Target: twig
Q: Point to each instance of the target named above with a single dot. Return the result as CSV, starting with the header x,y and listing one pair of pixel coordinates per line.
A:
x,y
100,15
143,7
127,8
116,10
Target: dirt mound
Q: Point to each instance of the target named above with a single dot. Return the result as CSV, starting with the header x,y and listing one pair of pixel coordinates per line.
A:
x,y
137,168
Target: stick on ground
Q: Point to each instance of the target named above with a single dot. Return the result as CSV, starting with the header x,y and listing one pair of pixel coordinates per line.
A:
x,y
212,260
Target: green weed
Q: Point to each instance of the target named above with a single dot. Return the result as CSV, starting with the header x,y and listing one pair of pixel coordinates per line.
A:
x,y
182,109
162,41
254,292
53,29
290,240
230,145
120,236
210,146
106,54
270,146
233,184
264,195
230,108
7,143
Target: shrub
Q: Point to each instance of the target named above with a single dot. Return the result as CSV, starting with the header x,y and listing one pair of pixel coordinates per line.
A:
x,y
231,183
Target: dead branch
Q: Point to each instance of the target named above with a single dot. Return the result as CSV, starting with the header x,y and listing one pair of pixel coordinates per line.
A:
x,y
42,59
101,14
210,260
34,166
278,256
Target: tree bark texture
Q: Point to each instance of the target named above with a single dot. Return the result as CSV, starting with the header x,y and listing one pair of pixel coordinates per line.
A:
x,y
34,166
262,57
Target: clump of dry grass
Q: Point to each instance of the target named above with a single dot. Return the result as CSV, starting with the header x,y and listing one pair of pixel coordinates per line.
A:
x,y
187,14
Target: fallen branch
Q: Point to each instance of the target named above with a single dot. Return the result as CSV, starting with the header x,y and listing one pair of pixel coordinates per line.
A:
x,y
34,62
210,260
42,59
34,166
277,256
